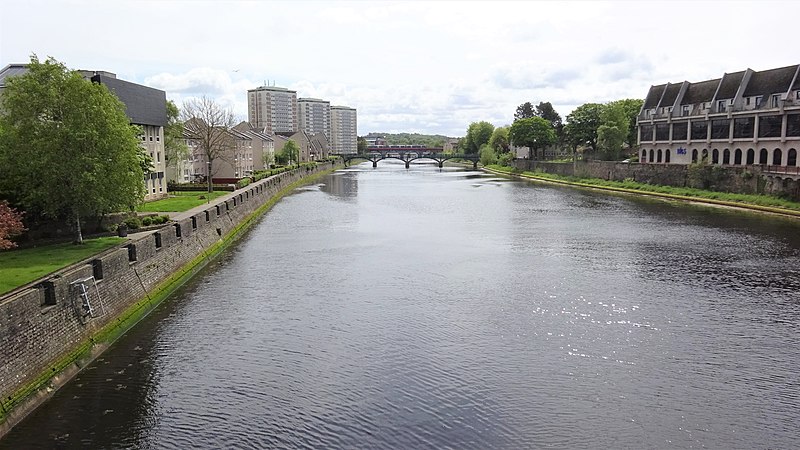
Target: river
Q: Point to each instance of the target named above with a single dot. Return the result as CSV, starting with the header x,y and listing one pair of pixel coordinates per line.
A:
x,y
427,308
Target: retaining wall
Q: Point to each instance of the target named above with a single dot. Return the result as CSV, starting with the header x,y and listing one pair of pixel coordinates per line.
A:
x,y
741,180
46,334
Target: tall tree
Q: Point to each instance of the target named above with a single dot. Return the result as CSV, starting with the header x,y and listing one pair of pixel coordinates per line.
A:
x,y
290,153
10,225
208,123
612,132
582,124
499,140
535,133
546,111
66,146
631,108
478,134
362,145
524,111
175,149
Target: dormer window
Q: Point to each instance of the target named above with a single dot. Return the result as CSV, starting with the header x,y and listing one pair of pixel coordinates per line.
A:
x,y
685,110
775,99
758,101
721,106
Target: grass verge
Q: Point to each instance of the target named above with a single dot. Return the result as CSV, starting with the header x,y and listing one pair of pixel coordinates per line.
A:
x,y
21,266
750,201
180,201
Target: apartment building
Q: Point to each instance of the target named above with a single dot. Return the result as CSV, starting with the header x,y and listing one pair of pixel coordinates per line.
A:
x,y
344,130
273,109
741,118
144,106
314,116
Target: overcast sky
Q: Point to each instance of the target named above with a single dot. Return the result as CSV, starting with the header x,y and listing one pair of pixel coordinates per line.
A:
x,y
428,67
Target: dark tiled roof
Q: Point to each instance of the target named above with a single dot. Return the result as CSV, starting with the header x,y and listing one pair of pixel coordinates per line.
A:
x,y
700,92
653,96
671,94
730,84
143,105
12,70
771,81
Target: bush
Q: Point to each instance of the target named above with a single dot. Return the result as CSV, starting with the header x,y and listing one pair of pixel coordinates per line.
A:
x,y
162,219
133,223
505,159
242,183
147,221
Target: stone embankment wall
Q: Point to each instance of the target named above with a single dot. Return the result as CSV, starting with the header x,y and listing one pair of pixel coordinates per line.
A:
x,y
742,180
46,333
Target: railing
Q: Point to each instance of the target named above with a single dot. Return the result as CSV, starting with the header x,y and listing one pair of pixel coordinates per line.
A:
x,y
791,170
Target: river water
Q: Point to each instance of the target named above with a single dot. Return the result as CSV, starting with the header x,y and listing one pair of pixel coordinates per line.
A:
x,y
427,308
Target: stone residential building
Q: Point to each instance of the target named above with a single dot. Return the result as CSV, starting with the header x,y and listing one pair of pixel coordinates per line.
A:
x,y
743,118
273,109
344,130
314,116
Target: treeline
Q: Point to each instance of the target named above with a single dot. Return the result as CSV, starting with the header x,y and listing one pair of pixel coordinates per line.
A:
x,y
604,131
430,140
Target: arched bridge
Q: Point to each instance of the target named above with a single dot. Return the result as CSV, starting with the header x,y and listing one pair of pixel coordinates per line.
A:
x,y
408,154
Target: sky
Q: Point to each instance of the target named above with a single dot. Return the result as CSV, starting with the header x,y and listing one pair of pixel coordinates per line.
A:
x,y
429,67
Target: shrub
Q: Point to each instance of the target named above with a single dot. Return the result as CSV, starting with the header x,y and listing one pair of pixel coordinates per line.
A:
x,y
147,221
133,223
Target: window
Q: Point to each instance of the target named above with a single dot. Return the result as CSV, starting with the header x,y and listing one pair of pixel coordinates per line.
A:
x,y
699,130
775,99
758,101
694,155
763,156
751,156
721,106
793,124
646,133
777,157
679,131
715,156
726,156
743,127
685,110
747,101
737,157
720,129
662,132
770,126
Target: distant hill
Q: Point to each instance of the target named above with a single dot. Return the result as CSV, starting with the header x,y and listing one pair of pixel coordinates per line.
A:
x,y
429,140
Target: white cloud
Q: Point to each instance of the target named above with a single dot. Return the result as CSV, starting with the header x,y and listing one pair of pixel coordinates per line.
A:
x,y
430,66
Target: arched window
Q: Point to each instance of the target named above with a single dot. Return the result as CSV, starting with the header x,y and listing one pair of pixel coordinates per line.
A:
x,y
715,157
751,156
644,156
694,155
705,155
737,157
651,155
792,158
658,156
763,158
726,156
666,155
777,157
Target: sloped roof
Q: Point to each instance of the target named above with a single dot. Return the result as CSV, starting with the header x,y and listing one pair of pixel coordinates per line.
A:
x,y
143,105
770,81
12,70
671,94
730,84
653,96
700,92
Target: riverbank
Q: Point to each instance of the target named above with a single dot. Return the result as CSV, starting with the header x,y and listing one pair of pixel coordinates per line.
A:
x,y
50,330
638,190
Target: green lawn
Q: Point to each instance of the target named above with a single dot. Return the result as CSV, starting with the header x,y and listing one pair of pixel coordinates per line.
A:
x,y
180,201
18,267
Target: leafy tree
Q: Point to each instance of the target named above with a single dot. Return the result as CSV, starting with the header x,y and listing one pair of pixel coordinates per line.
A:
x,y
290,153
175,149
487,155
66,146
546,111
613,131
499,140
535,133
478,134
524,111
10,225
582,124
208,124
362,146
630,108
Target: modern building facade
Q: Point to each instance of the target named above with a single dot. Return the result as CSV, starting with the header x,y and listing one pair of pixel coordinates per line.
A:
x,y
742,118
273,109
314,116
344,130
